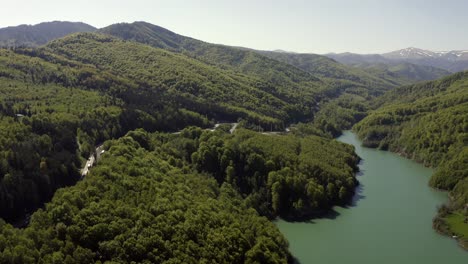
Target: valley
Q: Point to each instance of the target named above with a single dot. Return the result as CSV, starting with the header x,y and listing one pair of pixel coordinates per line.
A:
x,y
390,217
113,138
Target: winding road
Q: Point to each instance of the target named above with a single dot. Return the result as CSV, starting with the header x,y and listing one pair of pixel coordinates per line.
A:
x,y
92,160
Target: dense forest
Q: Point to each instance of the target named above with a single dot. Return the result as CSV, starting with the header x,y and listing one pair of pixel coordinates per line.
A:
x,y
187,198
52,116
339,84
58,109
166,76
61,100
428,122
136,206
288,176
167,189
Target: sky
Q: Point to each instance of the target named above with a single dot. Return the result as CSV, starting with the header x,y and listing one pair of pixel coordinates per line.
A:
x,y
306,26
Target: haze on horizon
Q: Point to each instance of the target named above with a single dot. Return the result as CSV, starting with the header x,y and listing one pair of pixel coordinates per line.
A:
x,y
315,26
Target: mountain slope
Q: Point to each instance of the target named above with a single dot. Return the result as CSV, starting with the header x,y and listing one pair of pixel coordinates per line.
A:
x,y
329,68
388,69
453,61
241,60
428,122
247,60
130,85
206,89
319,80
40,34
153,195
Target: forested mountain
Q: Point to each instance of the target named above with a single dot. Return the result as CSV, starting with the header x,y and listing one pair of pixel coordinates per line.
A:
x,y
245,60
59,101
132,85
180,198
197,195
165,77
315,84
399,71
335,86
329,68
40,34
428,122
129,85
452,61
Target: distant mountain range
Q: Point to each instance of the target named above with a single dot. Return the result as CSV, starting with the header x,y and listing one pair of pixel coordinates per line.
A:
x,y
40,34
415,53
453,61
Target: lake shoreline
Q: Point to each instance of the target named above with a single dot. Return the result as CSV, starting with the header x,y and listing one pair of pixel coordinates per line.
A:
x,y
382,222
449,232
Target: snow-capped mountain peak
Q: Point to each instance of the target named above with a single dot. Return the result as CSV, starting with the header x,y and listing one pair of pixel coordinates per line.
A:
x,y
415,53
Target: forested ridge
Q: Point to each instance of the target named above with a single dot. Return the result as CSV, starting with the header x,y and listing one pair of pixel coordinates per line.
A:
x,y
342,97
86,88
428,122
40,34
186,198
53,115
195,196
197,85
137,207
60,100
334,85
329,68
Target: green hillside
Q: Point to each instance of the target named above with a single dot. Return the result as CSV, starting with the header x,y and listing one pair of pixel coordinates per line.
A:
x,y
427,122
40,34
86,88
177,198
288,176
205,89
139,205
241,60
329,85
59,101
201,195
272,66
328,68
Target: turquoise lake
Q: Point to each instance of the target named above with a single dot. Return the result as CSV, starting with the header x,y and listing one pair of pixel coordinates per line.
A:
x,y
389,221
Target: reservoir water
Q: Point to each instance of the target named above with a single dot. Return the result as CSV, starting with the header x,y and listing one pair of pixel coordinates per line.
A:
x,y
389,221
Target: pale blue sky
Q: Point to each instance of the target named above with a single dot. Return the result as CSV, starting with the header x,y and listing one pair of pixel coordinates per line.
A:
x,y
314,26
